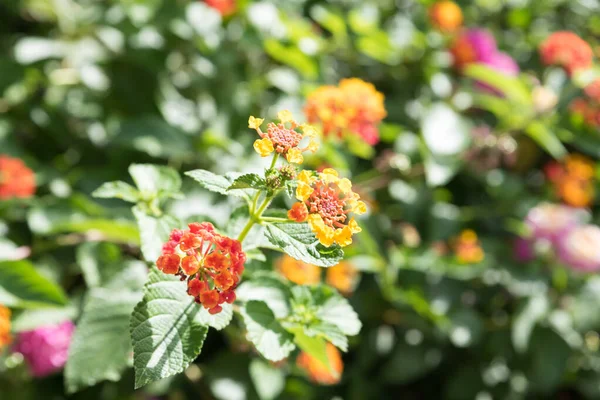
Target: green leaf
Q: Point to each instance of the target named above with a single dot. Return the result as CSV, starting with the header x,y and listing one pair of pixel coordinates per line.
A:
x,y
335,309
265,332
545,138
154,232
510,86
292,56
377,45
299,242
313,345
267,288
217,321
30,319
268,381
155,180
248,181
439,171
167,330
526,319
330,332
21,286
118,190
215,183
331,20
104,325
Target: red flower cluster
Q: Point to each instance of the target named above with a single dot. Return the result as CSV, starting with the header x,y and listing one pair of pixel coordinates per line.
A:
x,y
224,7
568,50
211,263
588,109
16,180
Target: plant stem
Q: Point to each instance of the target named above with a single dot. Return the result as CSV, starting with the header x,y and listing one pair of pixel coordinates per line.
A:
x,y
275,158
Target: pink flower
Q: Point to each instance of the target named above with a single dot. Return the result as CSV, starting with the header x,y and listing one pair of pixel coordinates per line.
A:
x,y
504,63
552,221
45,349
580,248
523,250
473,46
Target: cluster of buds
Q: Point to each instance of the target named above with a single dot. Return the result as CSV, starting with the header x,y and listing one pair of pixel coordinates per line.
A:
x,y
467,248
277,178
445,15
284,138
211,263
325,200
4,326
16,180
573,179
353,107
567,50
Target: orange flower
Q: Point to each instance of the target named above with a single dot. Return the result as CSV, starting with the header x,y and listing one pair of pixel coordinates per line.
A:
x,y
573,180
5,338
343,277
593,90
445,16
352,107
298,272
224,7
567,50
467,248
16,180
319,372
211,263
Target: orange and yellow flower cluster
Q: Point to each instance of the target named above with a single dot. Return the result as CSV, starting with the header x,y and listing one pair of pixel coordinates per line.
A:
x,y
284,137
211,263
446,16
467,248
567,50
224,7
343,276
320,373
573,180
5,337
325,200
353,107
16,180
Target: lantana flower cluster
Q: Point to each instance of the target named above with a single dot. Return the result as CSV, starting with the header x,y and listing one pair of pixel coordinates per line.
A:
x,y
354,107
16,179
211,263
5,337
445,15
561,230
46,349
573,179
467,248
286,138
224,7
325,201
568,50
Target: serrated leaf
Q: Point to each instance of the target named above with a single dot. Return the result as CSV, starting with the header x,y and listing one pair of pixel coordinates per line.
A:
x,y
337,311
154,232
330,332
117,190
217,321
21,286
166,328
155,179
269,289
248,181
299,242
104,325
265,332
210,181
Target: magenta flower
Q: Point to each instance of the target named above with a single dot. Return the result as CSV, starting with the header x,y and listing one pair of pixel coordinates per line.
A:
x,y
45,349
523,250
502,62
552,221
580,248
473,46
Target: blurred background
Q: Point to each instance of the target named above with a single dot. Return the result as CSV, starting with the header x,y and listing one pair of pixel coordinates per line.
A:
x,y
469,128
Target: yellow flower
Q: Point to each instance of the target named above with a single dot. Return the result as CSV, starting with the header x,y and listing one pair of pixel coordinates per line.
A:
x,y
313,146
303,191
264,147
359,208
254,123
294,156
285,116
343,236
308,130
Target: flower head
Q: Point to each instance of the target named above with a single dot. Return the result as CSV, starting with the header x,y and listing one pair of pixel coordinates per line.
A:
x,y
211,263
473,46
467,248
567,50
4,326
551,221
343,277
224,7
16,180
445,15
298,272
573,180
284,138
45,349
318,371
580,248
353,107
325,200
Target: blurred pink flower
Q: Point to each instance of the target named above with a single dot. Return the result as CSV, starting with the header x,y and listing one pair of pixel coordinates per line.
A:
x,y
523,250
45,349
502,62
473,46
552,221
580,248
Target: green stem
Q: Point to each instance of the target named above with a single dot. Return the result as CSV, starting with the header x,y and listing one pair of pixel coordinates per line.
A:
x,y
275,158
274,219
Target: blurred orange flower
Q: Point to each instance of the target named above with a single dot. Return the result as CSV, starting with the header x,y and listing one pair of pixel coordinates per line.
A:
x,y
567,50
573,180
467,248
446,16
224,7
4,326
343,277
319,372
16,180
297,271
352,107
